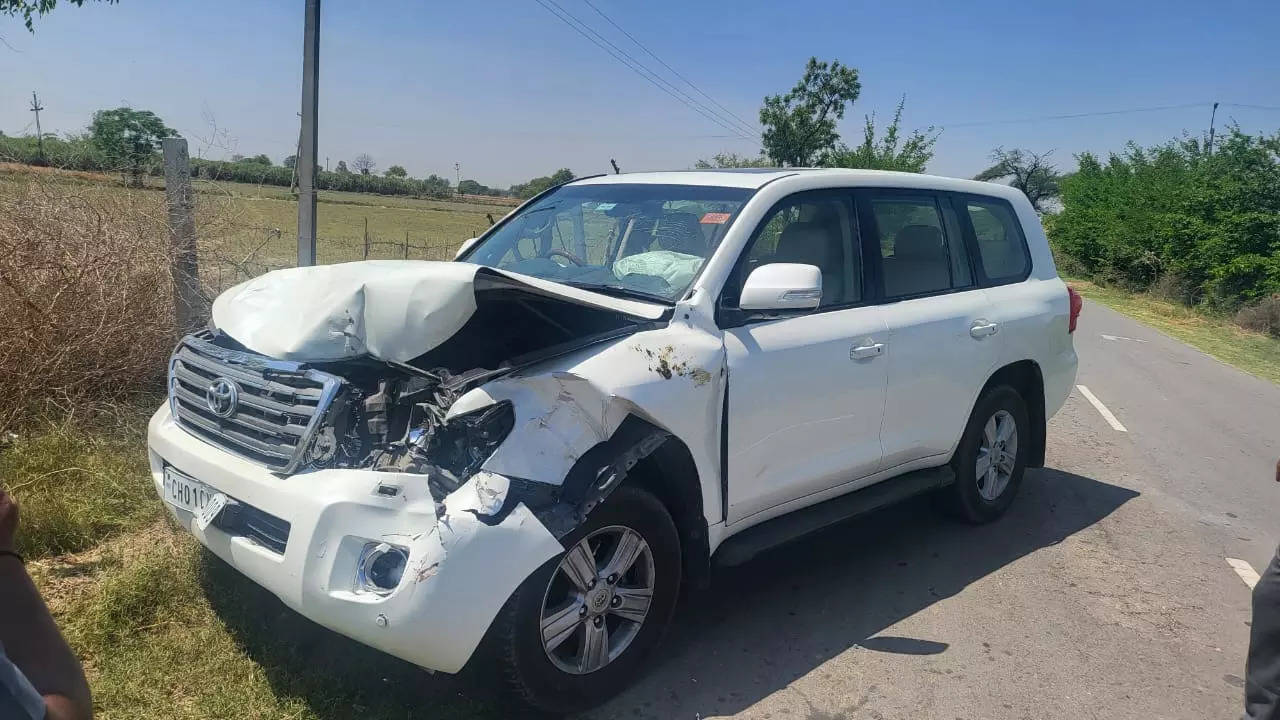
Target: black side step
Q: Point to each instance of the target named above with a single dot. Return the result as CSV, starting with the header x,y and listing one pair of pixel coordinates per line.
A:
x,y
747,544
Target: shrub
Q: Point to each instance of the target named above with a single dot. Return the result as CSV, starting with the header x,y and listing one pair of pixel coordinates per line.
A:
x,y
1262,317
86,294
1210,220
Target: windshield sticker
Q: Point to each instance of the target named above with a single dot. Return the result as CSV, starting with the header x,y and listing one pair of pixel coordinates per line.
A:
x,y
605,206
714,219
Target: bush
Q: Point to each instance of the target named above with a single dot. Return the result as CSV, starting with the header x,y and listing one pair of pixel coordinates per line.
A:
x,y
1210,220
1264,317
86,293
75,153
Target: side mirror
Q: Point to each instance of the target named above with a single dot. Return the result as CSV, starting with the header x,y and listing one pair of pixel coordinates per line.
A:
x,y
782,286
465,246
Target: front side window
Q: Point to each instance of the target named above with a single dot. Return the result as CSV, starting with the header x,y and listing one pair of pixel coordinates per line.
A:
x,y
918,254
1000,243
811,229
641,240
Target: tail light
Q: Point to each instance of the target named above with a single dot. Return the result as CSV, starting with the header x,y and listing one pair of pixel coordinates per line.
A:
x,y
1077,303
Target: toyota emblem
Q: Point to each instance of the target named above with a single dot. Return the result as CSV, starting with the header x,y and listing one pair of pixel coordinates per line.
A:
x,y
222,397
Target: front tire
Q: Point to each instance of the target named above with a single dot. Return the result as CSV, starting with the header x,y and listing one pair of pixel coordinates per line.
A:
x,y
579,629
992,456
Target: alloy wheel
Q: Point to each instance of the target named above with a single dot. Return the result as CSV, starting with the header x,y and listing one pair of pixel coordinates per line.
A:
x,y
997,455
597,600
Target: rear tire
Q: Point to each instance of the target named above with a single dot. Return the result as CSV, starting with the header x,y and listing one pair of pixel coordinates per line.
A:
x,y
564,679
992,456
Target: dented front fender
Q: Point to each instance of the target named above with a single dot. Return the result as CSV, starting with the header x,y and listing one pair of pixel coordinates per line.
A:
x,y
671,379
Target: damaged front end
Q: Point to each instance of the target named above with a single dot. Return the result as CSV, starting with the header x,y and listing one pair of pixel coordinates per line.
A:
x,y
372,399
355,414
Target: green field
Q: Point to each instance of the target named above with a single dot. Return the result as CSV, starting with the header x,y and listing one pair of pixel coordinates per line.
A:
x,y
252,228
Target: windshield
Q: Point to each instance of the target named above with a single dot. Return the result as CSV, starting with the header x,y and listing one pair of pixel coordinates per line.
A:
x,y
643,241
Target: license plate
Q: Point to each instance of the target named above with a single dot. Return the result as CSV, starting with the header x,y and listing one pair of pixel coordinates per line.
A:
x,y
188,493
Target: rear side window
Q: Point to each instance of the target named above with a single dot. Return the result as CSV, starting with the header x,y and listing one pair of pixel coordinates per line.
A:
x,y
1001,245
920,252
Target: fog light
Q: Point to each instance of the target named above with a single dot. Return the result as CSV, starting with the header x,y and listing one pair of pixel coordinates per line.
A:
x,y
381,567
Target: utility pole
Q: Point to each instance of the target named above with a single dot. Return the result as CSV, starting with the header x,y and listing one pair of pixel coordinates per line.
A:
x,y
36,107
1213,115
306,165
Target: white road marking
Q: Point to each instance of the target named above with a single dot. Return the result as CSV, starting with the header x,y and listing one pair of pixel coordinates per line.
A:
x,y
1121,337
1102,409
1245,571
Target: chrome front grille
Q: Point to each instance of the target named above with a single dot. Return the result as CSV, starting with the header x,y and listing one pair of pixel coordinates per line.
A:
x,y
261,409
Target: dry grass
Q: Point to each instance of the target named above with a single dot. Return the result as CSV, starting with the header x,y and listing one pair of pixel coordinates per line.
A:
x,y
1262,317
86,292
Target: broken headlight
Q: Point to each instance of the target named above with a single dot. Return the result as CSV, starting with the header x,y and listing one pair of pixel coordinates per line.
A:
x,y
462,445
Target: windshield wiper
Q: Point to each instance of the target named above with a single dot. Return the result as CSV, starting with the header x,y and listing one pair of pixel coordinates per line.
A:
x,y
619,291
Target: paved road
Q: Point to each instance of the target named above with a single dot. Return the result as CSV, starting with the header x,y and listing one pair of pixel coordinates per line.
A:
x,y
1104,593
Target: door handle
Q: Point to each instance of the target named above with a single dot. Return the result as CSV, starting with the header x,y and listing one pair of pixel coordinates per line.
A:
x,y
862,352
982,328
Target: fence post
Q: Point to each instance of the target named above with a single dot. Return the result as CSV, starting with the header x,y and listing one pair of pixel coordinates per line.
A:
x,y
366,238
187,302
406,244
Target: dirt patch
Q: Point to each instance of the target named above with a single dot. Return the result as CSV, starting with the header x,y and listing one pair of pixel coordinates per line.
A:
x,y
665,363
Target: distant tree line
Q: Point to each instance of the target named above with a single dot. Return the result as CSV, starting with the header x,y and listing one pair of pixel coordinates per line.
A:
x,y
127,141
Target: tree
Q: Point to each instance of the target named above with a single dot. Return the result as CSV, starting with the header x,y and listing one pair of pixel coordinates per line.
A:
x,y
733,160
128,139
290,161
396,171
1030,172
31,8
800,126
364,164
342,168
471,187
914,155
540,184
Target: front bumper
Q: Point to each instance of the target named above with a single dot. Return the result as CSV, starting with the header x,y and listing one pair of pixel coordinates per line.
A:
x,y
460,571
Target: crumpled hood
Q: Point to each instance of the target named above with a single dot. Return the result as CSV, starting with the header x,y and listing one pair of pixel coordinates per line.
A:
x,y
389,309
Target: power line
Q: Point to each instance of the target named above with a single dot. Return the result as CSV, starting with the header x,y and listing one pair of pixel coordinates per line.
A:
x,y
633,64
1252,107
1071,116
746,125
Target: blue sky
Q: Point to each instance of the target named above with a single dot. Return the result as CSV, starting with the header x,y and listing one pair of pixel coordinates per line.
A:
x,y
509,91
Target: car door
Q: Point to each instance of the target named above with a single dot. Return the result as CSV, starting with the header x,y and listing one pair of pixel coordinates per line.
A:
x,y
805,392
942,345
1003,263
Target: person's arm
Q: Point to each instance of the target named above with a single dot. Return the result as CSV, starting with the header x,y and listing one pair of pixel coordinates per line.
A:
x,y
31,638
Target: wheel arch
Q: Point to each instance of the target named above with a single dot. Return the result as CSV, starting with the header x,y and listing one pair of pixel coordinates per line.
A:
x,y
1025,377
670,474
638,454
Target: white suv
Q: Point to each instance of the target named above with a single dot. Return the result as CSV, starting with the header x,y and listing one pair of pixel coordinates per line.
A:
x,y
625,380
